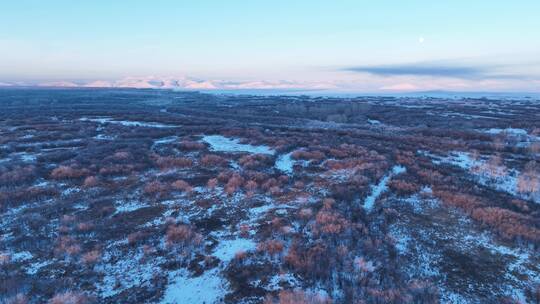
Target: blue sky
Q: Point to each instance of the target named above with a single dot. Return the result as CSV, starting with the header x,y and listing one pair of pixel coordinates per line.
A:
x,y
351,45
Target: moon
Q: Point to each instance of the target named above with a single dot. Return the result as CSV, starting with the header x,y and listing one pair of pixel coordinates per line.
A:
x,y
421,39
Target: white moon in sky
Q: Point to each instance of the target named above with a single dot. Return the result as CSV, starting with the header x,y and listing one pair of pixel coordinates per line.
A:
x,y
421,39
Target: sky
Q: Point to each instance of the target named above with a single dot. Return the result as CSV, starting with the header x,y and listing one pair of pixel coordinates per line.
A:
x,y
370,46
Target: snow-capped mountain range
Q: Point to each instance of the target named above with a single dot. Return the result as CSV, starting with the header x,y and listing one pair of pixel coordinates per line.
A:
x,y
185,83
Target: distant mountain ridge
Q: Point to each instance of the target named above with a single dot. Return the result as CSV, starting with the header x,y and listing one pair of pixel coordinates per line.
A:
x,y
185,83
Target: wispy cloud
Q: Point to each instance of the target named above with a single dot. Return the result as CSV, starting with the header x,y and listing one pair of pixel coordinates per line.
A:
x,y
440,69
421,70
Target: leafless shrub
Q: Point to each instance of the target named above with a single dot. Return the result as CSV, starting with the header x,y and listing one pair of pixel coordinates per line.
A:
x,y
135,237
271,247
297,297
255,161
17,175
5,258
69,297
211,160
90,182
91,257
509,224
403,187
212,183
165,163
182,185
182,235
17,299
155,188
65,172
67,246
187,145
234,182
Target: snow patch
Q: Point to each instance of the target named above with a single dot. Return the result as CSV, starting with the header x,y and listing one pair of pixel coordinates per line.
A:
x,y
381,187
227,249
127,123
285,163
208,288
123,206
224,144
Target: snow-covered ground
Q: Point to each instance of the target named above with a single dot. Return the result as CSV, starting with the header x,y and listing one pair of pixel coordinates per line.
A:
x,y
377,190
124,272
128,206
207,288
512,131
227,249
127,123
285,163
224,144
438,250
523,138
164,141
497,177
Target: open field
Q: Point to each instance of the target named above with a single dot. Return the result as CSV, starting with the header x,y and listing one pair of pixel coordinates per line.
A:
x,y
156,196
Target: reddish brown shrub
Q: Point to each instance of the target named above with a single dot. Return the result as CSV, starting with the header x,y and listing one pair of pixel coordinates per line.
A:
x,y
509,224
529,182
91,257
182,235
240,255
211,160
90,182
314,261
405,158
182,185
155,188
297,297
17,175
85,227
18,299
308,155
535,148
4,258
135,237
66,245
122,155
65,172
255,161
188,145
328,222
212,183
244,230
305,213
117,169
463,201
402,187
165,163
268,184
429,176
251,185
234,182
69,297
271,247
